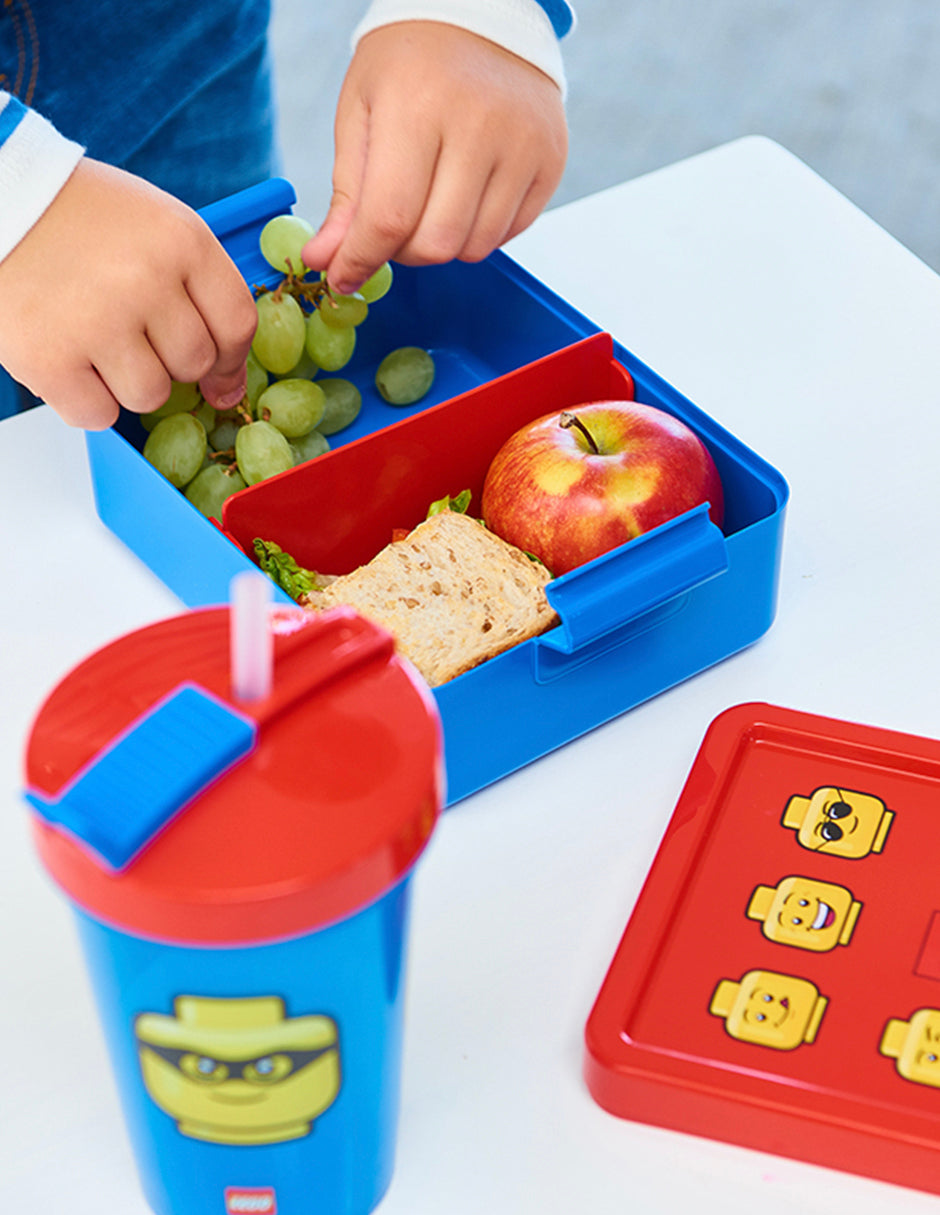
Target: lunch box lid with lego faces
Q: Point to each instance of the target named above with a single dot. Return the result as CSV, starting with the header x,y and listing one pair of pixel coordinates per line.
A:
x,y
778,984
166,808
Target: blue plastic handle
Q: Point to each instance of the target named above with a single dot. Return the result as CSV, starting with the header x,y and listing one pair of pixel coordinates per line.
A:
x,y
644,574
131,790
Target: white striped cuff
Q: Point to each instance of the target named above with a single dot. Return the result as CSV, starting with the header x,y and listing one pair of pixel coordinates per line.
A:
x,y
520,26
35,163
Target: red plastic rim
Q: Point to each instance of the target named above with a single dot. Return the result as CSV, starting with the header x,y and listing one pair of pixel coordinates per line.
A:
x,y
330,810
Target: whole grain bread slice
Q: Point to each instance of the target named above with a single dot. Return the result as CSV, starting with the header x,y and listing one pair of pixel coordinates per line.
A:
x,y
451,593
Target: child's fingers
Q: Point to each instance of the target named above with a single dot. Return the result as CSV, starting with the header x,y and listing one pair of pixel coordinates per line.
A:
x,y
82,399
351,137
532,206
503,198
133,373
458,185
118,342
182,340
320,250
225,306
396,181
224,382
224,391
471,208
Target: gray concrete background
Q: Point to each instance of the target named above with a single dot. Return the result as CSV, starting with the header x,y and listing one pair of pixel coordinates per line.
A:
x,y
852,87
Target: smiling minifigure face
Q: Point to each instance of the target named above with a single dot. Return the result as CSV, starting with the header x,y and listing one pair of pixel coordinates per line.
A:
x,y
769,1009
238,1071
763,1009
805,913
839,822
915,1045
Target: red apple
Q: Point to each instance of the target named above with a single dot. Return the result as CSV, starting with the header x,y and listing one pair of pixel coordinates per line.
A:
x,y
570,486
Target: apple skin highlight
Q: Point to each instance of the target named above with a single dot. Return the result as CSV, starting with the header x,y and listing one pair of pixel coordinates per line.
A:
x,y
549,493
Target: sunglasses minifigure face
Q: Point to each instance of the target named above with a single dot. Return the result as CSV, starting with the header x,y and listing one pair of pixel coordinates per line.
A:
x,y
839,822
238,1071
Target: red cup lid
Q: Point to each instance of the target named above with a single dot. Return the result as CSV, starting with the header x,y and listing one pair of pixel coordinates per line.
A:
x,y
329,809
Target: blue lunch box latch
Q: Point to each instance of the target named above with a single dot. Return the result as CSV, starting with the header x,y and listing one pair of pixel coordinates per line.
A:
x,y
634,579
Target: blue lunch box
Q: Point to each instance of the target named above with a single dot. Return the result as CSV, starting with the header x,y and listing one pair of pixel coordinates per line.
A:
x,y
633,622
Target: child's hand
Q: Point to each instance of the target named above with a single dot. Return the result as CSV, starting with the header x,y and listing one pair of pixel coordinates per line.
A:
x,y
117,289
446,146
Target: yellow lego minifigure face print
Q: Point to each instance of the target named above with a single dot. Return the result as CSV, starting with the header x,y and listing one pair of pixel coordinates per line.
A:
x,y
840,822
915,1046
237,1070
805,913
769,1009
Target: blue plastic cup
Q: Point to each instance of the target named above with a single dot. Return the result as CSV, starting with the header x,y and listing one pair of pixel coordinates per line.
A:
x,y
240,877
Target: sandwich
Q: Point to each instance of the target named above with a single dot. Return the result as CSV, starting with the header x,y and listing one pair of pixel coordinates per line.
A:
x,y
450,592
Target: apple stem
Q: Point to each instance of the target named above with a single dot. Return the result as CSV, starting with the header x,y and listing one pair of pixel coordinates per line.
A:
x,y
568,420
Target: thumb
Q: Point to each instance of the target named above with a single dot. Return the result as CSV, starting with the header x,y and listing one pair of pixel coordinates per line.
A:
x,y
319,250
224,389
351,135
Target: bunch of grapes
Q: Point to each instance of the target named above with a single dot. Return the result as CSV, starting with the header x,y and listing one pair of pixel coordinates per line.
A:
x,y
289,408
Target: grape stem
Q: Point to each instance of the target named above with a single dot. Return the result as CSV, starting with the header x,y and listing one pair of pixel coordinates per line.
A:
x,y
568,420
295,285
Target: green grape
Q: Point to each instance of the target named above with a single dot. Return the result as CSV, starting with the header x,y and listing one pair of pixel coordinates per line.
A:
x,y
282,240
378,285
279,338
329,348
206,414
176,447
261,451
292,406
182,399
343,403
222,435
211,487
343,311
256,379
405,375
312,444
304,369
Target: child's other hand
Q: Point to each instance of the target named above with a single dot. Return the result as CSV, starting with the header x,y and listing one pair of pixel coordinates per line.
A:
x,y
446,146
117,289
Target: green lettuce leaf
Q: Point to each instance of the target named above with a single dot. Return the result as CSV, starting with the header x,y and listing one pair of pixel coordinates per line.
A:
x,y
282,569
459,505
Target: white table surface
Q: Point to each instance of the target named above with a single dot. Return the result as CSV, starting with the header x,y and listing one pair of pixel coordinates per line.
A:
x,y
790,317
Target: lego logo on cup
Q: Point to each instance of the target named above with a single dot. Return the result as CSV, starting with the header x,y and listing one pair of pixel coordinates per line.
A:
x,y
250,1202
